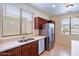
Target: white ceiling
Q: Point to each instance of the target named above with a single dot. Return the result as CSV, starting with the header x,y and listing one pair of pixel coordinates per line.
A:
x,y
58,10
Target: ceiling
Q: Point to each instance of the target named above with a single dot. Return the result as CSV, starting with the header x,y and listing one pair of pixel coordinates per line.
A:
x,y
58,10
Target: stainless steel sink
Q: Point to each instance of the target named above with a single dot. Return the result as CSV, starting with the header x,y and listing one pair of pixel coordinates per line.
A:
x,y
25,40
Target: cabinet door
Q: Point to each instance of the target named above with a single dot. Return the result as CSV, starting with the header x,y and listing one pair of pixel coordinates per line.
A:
x,y
34,49
4,53
16,54
36,23
14,51
39,22
26,50
30,49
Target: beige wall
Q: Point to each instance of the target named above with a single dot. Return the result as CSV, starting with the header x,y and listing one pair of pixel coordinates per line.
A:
x,y
28,8
64,39
31,9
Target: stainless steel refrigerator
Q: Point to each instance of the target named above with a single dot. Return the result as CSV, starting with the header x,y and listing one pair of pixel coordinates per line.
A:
x,y
49,31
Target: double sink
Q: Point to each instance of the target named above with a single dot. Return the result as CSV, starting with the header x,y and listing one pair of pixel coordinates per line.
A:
x,y
25,40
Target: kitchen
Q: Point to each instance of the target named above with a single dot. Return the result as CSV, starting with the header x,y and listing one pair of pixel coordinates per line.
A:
x,y
29,30
20,32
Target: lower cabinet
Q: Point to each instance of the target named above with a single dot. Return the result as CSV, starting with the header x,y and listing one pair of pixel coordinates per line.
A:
x,y
4,53
34,51
12,52
30,49
26,50
15,51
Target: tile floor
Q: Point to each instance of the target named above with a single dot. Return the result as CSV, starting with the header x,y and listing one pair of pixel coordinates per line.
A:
x,y
58,50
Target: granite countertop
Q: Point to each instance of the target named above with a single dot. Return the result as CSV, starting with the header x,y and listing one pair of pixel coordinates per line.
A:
x,y
15,43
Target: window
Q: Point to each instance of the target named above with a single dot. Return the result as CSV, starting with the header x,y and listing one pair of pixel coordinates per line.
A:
x,y
70,26
75,26
16,21
27,22
11,20
65,26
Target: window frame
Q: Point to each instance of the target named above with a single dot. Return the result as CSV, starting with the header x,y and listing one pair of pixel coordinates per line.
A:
x,y
20,22
4,5
70,25
62,26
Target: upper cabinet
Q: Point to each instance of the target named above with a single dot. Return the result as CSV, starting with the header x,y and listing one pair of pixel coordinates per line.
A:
x,y
16,21
39,22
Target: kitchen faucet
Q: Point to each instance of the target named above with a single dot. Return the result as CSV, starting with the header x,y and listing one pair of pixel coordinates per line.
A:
x,y
24,36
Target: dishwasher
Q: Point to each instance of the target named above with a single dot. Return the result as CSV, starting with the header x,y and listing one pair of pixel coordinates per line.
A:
x,y
41,46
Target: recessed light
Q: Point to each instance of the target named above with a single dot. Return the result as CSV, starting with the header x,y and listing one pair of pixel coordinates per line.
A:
x,y
53,6
69,5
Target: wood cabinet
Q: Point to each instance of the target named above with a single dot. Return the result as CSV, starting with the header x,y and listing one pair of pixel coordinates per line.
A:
x,y
4,53
26,50
30,49
15,51
12,52
39,22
